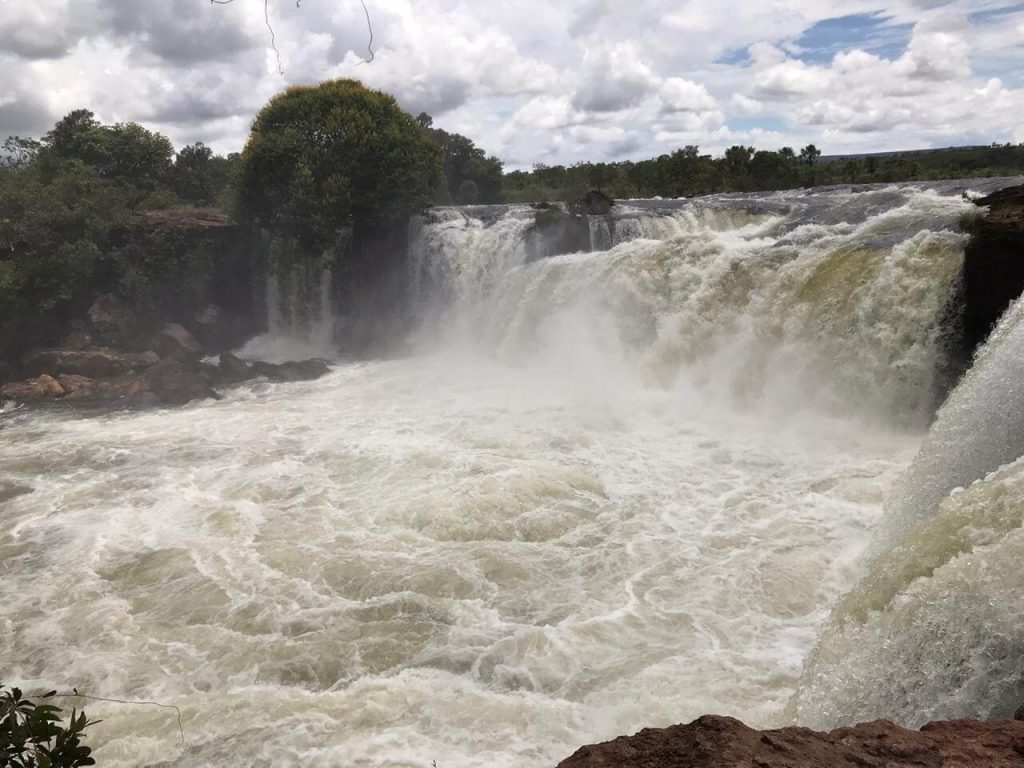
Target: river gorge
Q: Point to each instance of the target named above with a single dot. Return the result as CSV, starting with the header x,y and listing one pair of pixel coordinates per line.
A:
x,y
695,468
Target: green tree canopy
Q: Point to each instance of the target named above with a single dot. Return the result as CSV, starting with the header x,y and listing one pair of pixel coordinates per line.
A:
x,y
325,157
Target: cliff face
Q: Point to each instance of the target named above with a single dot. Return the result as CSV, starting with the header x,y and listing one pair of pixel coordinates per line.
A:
x,y
722,742
993,264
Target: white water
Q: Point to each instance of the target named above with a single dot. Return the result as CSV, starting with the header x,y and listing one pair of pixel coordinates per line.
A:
x,y
613,490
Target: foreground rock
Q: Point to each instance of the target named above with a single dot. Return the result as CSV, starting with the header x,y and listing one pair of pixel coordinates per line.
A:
x,y
722,742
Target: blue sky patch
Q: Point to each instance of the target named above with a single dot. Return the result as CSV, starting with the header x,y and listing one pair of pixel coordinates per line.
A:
x,y
869,32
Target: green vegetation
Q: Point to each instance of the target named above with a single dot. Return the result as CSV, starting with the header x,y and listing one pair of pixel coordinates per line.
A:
x,y
69,204
322,158
470,176
33,735
686,172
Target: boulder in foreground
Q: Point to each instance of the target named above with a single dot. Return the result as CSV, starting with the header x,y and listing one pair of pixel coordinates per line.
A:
x,y
722,742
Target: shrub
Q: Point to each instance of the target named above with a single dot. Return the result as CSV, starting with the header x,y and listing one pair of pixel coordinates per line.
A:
x,y
33,736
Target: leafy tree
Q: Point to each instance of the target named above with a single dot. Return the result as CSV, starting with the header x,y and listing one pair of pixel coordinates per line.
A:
x,y
33,736
464,162
325,157
809,155
198,175
125,152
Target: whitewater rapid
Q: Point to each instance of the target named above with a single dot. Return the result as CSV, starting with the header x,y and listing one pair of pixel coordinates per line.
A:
x,y
606,491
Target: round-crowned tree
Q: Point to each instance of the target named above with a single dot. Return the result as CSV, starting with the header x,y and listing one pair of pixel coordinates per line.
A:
x,y
334,155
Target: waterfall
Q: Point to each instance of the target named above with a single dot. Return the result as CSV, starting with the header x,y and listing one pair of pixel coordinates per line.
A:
x,y
752,300
935,629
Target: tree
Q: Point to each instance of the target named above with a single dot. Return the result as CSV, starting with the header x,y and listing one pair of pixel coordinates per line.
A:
x,y
321,158
464,161
809,155
126,152
198,175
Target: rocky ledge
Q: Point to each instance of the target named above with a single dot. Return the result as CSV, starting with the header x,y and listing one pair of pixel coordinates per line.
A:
x,y
722,742
89,367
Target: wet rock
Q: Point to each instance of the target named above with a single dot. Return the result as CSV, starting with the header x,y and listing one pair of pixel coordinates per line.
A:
x,y
76,387
219,330
293,370
47,386
174,341
234,369
593,203
993,264
19,391
722,742
92,363
176,382
557,231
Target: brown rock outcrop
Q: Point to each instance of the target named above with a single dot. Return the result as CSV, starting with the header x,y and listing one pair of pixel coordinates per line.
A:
x,y
92,363
722,742
175,342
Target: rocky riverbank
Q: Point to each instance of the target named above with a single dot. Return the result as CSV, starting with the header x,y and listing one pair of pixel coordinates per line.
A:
x,y
106,360
722,742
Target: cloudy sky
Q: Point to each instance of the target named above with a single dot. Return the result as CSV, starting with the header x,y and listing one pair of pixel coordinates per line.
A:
x,y
551,81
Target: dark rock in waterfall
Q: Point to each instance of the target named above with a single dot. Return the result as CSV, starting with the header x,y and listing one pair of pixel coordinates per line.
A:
x,y
293,370
219,330
174,341
234,369
993,264
557,231
593,203
722,742
93,363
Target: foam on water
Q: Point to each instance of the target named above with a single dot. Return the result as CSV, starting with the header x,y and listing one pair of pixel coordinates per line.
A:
x,y
612,490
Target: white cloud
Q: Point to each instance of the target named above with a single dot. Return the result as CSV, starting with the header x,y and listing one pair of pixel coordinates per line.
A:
x,y
566,81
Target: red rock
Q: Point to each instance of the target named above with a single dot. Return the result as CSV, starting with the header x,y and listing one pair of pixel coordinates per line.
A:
x,y
76,387
47,386
174,341
722,742
92,363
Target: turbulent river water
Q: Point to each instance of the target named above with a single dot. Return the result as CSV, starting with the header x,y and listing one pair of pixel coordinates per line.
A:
x,y
604,491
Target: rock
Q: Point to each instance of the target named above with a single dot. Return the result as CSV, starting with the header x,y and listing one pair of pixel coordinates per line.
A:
x,y
993,273
176,382
593,203
77,340
556,231
301,370
219,330
76,387
174,341
722,742
47,386
234,368
92,363
19,391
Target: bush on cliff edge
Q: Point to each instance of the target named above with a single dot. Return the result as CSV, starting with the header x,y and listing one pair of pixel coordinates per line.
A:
x,y
323,158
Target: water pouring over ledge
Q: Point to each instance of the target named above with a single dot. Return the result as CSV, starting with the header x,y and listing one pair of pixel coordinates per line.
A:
x,y
610,490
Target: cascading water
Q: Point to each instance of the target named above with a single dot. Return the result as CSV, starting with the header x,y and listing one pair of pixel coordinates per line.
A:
x,y
935,630
609,490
